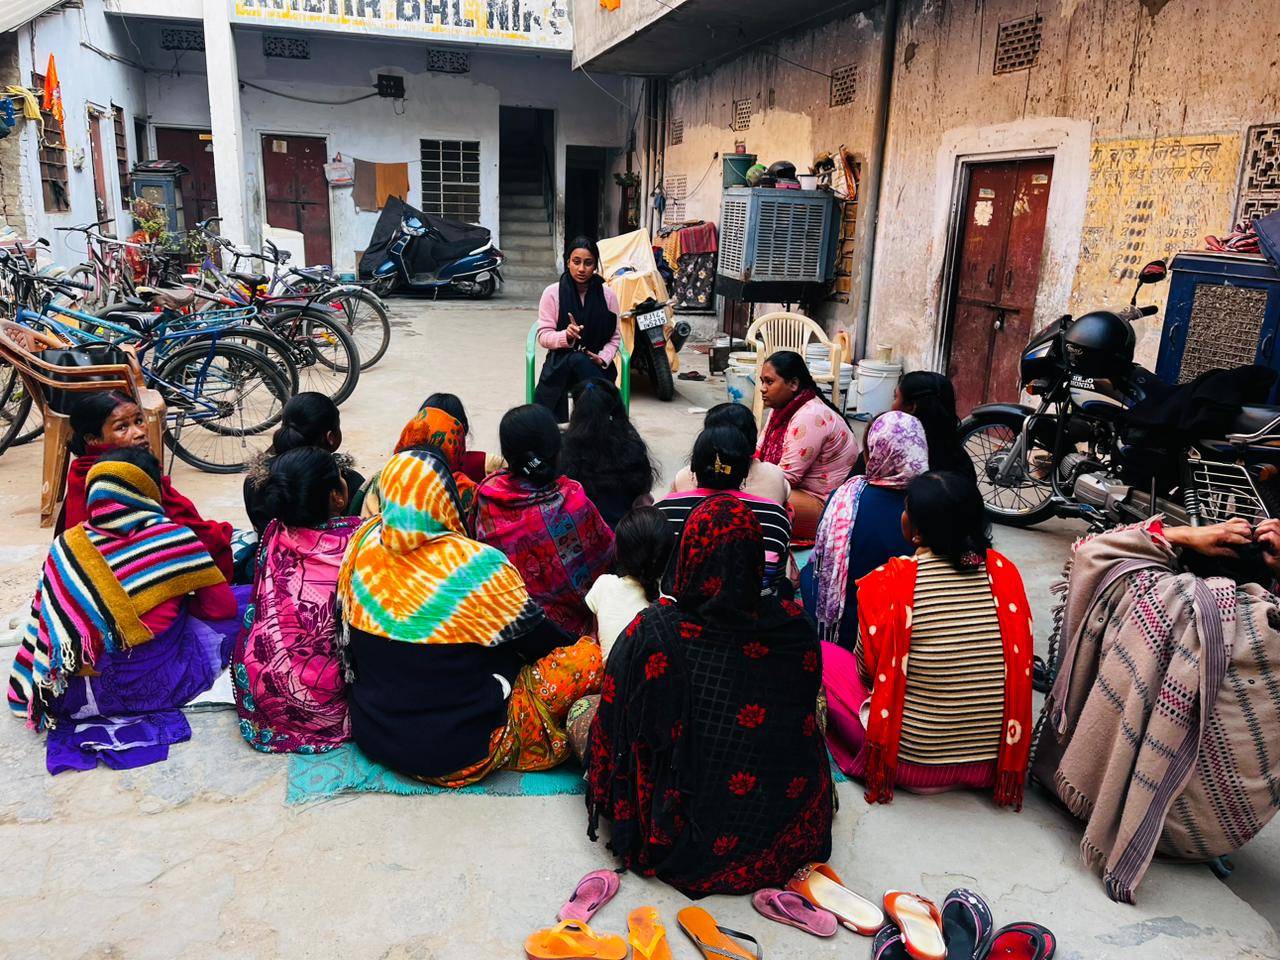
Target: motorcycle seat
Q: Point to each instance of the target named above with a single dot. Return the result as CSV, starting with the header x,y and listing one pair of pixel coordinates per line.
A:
x,y
1251,420
252,280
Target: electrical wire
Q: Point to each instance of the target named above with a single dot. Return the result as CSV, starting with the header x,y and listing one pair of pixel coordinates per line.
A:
x,y
617,99
292,96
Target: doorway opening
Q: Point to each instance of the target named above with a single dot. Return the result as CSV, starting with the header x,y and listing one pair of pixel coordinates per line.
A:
x,y
526,198
995,276
101,197
584,170
194,150
297,191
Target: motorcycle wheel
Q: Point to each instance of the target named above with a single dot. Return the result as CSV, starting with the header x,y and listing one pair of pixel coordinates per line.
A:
x,y
484,289
664,384
1021,501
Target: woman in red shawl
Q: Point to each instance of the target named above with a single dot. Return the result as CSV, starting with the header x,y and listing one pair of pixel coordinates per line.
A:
x,y
543,521
111,420
937,693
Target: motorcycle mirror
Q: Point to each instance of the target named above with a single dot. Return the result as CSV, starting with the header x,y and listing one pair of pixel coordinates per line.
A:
x,y
1153,272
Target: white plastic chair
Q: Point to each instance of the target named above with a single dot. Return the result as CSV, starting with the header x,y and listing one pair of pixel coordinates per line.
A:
x,y
791,331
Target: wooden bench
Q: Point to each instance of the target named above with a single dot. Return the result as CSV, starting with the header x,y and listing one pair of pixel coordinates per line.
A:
x,y
22,347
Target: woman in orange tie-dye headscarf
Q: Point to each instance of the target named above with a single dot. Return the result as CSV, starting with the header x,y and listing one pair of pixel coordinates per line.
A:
x,y
454,671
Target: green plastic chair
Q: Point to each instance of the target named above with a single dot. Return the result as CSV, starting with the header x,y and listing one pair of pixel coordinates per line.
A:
x,y
531,360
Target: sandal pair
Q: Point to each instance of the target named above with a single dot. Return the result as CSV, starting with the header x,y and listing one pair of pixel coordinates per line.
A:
x,y
575,940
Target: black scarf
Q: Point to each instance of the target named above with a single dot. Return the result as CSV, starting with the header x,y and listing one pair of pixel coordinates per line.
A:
x,y
706,753
598,322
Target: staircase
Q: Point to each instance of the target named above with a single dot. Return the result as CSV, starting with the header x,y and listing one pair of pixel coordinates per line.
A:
x,y
525,232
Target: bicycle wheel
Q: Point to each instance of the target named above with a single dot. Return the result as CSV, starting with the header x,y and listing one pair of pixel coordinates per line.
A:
x,y
328,359
92,300
367,322
224,400
266,343
15,405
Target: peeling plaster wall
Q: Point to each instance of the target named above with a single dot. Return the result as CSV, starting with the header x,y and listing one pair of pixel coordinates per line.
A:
x,y
463,106
1105,70
792,117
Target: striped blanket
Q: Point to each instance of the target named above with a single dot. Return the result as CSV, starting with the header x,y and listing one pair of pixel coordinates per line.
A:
x,y
100,577
1163,728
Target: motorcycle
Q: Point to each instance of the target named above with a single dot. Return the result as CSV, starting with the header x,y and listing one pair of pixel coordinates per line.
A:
x,y
415,252
649,351
1075,455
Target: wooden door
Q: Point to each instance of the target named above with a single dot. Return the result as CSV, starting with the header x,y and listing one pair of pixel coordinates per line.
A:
x,y
997,276
194,150
297,192
101,197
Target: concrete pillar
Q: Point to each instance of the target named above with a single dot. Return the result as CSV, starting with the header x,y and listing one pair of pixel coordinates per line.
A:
x,y
224,121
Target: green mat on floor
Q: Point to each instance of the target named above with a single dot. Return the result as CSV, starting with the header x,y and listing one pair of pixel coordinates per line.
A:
x,y
318,776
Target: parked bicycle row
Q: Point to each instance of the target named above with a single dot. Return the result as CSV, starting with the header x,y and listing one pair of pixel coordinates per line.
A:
x,y
224,346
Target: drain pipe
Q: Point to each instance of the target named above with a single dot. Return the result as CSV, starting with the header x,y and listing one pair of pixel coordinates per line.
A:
x,y
872,184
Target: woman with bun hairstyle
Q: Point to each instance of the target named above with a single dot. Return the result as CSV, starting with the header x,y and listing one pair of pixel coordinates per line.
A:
x,y
287,677
544,522
310,420
108,421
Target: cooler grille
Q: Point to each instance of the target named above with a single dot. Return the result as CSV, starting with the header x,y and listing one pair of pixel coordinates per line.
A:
x,y
733,235
789,240
1224,328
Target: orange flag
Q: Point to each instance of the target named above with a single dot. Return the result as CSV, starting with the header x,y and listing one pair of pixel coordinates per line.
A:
x,y
53,91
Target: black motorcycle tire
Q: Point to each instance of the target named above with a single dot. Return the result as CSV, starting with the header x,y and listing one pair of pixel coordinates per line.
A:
x,y
664,384
484,289
1028,515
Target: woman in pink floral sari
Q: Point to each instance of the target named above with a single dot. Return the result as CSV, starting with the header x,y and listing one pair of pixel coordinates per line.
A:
x,y
289,687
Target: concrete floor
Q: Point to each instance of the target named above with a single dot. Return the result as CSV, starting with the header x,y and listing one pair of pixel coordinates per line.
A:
x,y
199,857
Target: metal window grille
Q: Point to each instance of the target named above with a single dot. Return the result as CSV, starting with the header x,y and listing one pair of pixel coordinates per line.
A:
x,y
122,148
181,38
844,85
676,188
448,61
1260,174
451,179
675,132
742,114
286,48
1018,44
1224,328
53,158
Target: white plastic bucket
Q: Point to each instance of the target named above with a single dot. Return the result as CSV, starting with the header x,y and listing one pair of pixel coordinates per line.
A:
x,y
740,382
808,181
876,383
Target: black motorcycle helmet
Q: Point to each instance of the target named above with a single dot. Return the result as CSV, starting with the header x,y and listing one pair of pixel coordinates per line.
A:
x,y
1099,344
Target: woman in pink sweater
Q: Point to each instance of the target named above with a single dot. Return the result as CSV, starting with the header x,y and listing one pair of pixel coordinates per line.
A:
x,y
578,327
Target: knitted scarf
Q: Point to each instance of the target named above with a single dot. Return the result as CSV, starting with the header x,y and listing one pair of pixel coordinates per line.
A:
x,y
885,597
775,431
412,574
99,578
896,454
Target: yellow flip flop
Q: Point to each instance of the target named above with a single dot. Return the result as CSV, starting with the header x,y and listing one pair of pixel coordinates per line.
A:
x,y
647,935
574,940
713,940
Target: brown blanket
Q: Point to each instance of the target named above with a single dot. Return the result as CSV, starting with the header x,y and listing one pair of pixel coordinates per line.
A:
x,y
1163,728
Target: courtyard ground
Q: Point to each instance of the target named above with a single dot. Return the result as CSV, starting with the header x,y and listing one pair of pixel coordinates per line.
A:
x,y
199,857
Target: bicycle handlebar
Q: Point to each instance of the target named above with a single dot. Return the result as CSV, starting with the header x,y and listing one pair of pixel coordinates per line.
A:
x,y
86,227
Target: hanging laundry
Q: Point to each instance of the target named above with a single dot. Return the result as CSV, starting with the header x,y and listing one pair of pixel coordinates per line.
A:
x,y
30,105
53,91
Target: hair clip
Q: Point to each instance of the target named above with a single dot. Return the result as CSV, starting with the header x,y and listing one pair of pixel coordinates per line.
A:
x,y
721,467
533,464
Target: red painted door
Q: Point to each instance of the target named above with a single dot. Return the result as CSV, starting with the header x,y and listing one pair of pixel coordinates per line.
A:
x,y
297,192
102,199
997,276
194,150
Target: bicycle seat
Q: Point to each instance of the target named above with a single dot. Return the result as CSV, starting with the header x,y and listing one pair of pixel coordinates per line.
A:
x,y
170,298
309,273
143,321
1252,420
252,280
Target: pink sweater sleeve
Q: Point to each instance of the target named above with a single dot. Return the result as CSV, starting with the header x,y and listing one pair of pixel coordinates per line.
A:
x,y
610,349
549,338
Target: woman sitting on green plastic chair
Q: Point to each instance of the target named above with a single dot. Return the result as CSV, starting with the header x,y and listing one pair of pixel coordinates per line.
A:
x,y
578,327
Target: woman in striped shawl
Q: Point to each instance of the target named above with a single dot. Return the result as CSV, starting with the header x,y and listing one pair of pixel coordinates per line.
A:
x,y
131,619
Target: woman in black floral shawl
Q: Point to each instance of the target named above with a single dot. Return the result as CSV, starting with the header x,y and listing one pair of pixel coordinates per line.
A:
x,y
706,753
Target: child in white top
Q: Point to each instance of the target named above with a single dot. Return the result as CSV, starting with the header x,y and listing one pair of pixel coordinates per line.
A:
x,y
644,543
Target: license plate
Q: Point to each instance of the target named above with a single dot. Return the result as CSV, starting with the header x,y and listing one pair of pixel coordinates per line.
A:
x,y
482,277
647,321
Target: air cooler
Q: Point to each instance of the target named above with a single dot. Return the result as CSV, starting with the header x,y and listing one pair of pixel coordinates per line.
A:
x,y
775,245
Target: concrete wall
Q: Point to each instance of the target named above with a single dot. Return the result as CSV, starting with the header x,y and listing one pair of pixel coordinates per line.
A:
x,y
12,184
436,105
595,29
87,76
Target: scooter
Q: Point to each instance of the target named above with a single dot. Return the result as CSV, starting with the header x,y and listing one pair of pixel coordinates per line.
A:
x,y
649,354
415,252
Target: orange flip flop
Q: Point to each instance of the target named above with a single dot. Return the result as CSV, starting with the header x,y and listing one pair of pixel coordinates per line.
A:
x,y
712,940
920,922
574,940
647,935
822,887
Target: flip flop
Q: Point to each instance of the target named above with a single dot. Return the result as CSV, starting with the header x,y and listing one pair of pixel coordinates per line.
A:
x,y
822,887
573,940
920,922
1023,941
888,944
789,907
712,940
967,920
592,892
647,935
